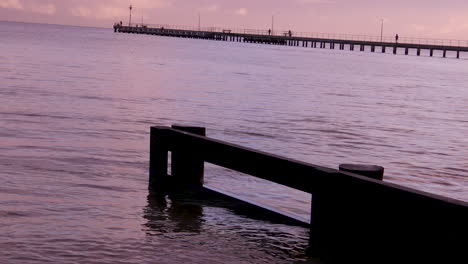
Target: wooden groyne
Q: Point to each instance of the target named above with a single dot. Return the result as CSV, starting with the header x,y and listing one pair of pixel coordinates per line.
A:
x,y
354,218
288,38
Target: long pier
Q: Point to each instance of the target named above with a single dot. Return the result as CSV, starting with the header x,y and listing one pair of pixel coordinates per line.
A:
x,y
299,39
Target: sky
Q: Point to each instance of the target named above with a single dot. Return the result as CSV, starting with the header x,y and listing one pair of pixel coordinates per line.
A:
x,y
446,19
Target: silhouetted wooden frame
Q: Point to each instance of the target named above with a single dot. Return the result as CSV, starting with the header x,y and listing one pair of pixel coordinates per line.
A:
x,y
351,214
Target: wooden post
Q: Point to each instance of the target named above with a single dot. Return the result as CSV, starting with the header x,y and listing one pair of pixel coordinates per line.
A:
x,y
431,52
406,51
371,171
158,158
372,49
418,52
445,53
383,49
394,49
187,167
458,54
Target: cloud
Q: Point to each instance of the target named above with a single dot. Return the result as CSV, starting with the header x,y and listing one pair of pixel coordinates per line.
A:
x,y
45,9
454,25
81,11
144,3
209,8
241,11
417,27
15,4
100,12
317,1
115,9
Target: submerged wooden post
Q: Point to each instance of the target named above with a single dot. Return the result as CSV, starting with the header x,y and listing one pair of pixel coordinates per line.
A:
x,y
445,53
383,49
406,51
431,52
370,171
395,50
458,54
187,166
418,52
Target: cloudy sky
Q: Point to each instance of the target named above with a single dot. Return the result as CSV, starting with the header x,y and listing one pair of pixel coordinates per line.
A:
x,y
412,18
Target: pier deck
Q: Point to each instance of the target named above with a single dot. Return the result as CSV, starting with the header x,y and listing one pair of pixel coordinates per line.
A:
x,y
342,42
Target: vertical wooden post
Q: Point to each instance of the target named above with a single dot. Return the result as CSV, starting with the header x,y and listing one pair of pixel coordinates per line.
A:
x,y
458,54
158,158
445,53
394,49
431,52
318,224
406,51
418,52
372,49
187,167
383,49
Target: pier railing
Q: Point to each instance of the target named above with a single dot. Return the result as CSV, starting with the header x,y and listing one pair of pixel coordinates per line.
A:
x,y
353,217
334,36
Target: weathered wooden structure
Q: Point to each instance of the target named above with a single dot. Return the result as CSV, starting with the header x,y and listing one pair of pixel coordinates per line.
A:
x,y
304,40
354,218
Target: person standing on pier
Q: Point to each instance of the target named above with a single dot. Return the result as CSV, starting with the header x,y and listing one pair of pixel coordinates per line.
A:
x,y
396,38
269,31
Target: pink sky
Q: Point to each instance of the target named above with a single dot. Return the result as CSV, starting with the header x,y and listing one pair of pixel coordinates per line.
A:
x,y
412,18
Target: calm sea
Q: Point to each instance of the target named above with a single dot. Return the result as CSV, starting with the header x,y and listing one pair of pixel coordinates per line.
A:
x,y
76,106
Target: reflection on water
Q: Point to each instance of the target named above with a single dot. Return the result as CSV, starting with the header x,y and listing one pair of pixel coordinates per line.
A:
x,y
206,222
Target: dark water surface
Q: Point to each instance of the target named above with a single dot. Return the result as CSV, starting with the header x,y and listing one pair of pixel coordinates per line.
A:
x,y
76,105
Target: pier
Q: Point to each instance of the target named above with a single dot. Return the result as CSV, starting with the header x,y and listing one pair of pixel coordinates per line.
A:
x,y
406,46
355,216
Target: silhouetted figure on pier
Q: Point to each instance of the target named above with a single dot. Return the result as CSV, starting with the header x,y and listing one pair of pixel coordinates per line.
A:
x,y
396,38
269,32
290,33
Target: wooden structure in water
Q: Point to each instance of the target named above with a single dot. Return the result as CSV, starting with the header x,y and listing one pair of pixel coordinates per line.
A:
x,y
354,218
341,42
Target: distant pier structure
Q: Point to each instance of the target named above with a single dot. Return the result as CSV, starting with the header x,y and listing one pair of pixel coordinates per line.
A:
x,y
417,46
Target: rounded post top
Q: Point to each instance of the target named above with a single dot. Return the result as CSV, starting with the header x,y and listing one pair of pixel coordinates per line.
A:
x,y
371,171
